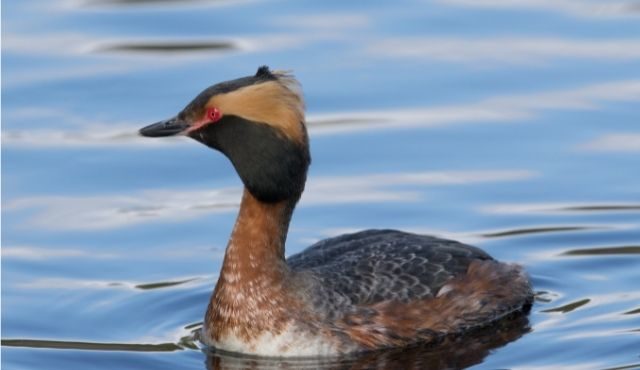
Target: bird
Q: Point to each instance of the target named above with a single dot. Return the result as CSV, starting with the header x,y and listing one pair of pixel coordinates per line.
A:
x,y
357,292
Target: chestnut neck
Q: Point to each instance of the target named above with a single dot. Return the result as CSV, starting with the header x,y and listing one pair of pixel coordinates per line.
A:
x,y
257,244
254,272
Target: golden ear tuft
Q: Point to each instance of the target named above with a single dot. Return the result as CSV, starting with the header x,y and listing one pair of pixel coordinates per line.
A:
x,y
277,102
288,80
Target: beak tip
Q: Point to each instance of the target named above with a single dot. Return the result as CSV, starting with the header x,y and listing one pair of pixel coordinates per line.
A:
x,y
144,132
164,128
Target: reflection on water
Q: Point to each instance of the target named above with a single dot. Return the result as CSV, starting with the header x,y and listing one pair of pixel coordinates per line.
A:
x,y
509,124
618,142
628,249
586,8
569,307
603,208
106,212
52,344
505,50
168,47
455,353
633,312
557,208
511,108
39,253
163,284
535,230
145,2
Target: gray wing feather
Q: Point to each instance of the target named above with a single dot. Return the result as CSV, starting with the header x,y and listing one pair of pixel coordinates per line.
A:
x,y
378,265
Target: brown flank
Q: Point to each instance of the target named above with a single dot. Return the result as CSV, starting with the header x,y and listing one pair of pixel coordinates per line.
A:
x,y
488,291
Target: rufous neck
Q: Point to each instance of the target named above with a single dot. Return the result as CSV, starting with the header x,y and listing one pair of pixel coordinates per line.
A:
x,y
254,272
259,233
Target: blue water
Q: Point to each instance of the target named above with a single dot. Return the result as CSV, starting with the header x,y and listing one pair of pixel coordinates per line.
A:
x,y
514,126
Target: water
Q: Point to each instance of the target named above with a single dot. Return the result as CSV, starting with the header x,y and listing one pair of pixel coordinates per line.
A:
x,y
509,125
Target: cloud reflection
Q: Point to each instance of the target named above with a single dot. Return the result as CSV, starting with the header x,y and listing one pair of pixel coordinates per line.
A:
x,y
64,283
325,22
580,8
71,44
37,253
505,49
618,142
169,47
555,208
496,109
128,55
105,212
90,135
492,110
151,3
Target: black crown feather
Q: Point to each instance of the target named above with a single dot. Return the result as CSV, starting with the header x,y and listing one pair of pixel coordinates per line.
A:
x,y
264,72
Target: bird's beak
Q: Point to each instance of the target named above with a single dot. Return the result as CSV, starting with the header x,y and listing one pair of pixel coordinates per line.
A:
x,y
170,127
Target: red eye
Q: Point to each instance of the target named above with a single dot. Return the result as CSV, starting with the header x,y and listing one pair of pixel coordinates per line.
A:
x,y
214,114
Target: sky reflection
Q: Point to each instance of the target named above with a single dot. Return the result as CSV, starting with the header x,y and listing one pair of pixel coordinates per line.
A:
x,y
554,208
508,124
614,142
512,108
580,8
173,205
506,50
41,254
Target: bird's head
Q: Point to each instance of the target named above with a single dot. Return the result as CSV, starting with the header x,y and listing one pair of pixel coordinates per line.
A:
x,y
258,123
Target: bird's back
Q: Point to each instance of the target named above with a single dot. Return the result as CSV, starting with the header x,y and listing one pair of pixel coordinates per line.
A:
x,y
379,265
386,288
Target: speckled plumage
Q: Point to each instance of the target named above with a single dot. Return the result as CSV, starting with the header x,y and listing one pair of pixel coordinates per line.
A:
x,y
383,288
378,265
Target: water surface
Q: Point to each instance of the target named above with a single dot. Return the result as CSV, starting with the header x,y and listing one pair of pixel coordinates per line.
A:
x,y
510,125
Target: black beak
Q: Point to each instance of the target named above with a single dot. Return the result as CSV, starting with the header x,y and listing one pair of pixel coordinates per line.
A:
x,y
170,127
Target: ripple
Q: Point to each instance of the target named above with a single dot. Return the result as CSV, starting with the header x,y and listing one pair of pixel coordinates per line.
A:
x,y
591,9
569,307
128,2
168,47
510,108
173,205
626,367
40,254
618,142
72,284
528,208
504,50
545,296
468,349
633,312
195,325
602,208
163,284
536,230
627,249
124,3
91,346
339,122
215,206
457,353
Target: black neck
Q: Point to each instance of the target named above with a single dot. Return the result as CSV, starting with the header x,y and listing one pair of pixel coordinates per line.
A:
x,y
272,167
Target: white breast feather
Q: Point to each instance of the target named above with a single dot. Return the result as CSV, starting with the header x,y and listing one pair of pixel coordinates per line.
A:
x,y
289,343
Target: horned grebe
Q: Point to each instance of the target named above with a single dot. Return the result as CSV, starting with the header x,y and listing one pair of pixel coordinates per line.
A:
x,y
355,292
